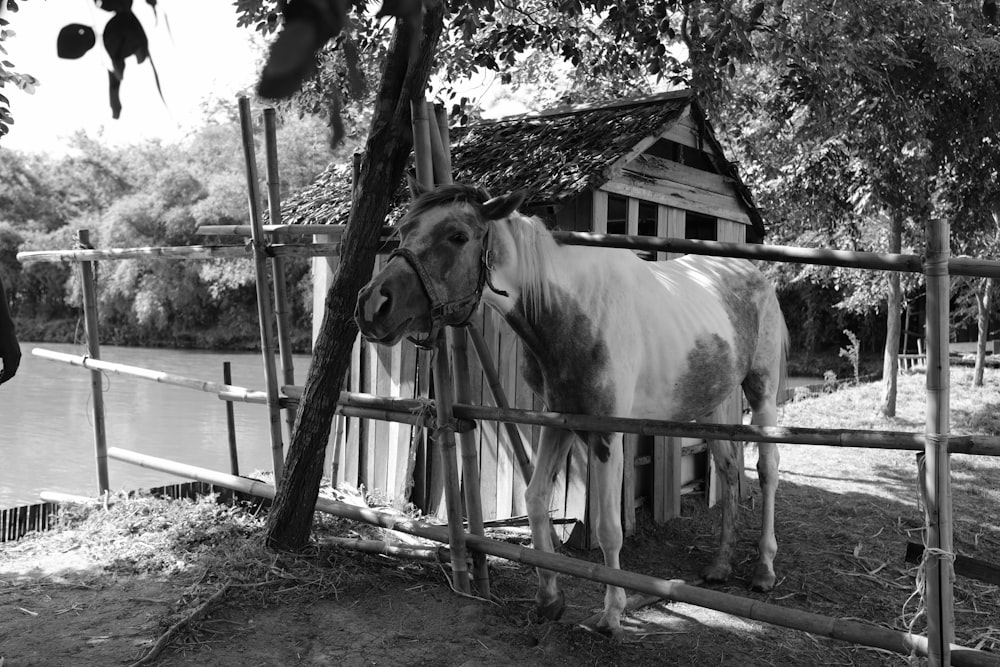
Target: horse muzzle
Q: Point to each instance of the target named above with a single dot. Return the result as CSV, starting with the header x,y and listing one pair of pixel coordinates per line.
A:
x,y
389,309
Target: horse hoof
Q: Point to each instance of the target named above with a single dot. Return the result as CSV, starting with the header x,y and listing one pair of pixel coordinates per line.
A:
x,y
599,625
717,573
763,579
552,610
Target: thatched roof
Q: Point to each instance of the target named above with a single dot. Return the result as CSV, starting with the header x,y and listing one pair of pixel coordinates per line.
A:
x,y
556,154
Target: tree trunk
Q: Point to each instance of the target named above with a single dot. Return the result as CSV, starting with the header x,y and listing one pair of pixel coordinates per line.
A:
x,y
983,322
890,358
386,154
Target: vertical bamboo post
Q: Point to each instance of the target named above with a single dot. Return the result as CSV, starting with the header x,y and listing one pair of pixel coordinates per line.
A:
x,y
422,142
439,137
445,439
89,285
938,556
264,312
443,397
278,263
234,459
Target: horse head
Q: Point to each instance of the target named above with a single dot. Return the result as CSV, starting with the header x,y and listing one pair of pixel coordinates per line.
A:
x,y
437,274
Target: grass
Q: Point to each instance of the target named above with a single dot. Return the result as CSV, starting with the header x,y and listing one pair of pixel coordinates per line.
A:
x,y
974,410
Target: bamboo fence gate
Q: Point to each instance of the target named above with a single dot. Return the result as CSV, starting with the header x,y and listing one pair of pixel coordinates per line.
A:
x,y
935,444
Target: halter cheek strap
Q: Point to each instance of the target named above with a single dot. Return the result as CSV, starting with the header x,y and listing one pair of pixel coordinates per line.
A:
x,y
443,310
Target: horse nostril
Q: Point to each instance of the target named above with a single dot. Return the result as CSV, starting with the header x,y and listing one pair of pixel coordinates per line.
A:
x,y
383,302
374,304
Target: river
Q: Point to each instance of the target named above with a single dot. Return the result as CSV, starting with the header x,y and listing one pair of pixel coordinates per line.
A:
x,y
46,422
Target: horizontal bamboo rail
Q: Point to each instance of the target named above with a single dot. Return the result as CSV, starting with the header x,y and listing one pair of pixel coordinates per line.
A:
x,y
232,392
961,266
153,252
366,408
846,630
420,413
966,444
335,231
901,440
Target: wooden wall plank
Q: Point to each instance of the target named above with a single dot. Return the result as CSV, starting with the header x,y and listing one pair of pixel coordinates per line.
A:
x,y
667,478
489,437
679,196
523,399
667,170
506,466
630,443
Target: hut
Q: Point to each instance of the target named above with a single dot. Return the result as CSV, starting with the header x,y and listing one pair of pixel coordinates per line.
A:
x,y
648,166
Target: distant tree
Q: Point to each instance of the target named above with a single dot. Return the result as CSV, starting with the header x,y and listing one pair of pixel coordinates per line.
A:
x,y
871,109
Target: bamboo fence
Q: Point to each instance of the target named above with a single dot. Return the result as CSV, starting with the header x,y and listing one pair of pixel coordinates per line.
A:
x,y
846,630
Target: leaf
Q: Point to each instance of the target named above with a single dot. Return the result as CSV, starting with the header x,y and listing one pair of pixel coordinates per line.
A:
x,y
309,24
74,40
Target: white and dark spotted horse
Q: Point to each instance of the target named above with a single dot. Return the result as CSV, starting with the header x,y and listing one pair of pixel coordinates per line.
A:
x,y
606,333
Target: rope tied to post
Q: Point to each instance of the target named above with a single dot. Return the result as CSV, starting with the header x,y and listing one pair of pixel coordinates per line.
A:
x,y
919,587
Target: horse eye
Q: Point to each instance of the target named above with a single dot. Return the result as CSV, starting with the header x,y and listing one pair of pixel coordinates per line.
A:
x,y
460,238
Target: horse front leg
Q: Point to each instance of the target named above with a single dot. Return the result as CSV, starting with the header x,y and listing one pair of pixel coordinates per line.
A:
x,y
608,474
552,450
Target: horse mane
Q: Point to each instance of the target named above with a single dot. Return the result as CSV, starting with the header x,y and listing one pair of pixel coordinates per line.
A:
x,y
450,193
535,248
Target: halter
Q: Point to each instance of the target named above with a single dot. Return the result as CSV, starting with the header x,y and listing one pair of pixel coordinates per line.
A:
x,y
440,310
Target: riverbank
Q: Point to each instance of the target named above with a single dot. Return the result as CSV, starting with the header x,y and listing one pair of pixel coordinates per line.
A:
x,y
239,335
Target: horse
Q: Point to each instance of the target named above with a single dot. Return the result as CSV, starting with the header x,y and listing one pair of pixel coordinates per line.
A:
x,y
606,333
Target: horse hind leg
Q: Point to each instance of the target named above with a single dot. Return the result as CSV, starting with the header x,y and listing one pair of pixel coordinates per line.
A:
x,y
726,460
768,459
761,388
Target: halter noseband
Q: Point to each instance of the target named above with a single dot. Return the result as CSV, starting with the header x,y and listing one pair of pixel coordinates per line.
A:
x,y
440,310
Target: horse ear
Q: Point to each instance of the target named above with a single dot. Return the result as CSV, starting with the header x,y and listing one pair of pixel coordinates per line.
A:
x,y
501,207
416,189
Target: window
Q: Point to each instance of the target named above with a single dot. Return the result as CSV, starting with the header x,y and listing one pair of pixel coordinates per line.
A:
x,y
617,214
701,227
647,226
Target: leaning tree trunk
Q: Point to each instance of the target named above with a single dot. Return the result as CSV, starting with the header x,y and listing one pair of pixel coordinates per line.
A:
x,y
983,322
386,154
890,358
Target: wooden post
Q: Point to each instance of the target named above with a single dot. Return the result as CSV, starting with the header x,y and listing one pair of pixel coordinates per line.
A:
x,y
264,312
89,285
278,263
443,397
470,459
234,459
939,572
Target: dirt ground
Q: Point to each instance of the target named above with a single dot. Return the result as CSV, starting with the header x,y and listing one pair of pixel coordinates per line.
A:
x,y
106,586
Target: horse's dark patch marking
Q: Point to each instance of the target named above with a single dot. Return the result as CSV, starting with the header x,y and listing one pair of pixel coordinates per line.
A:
x,y
738,300
566,359
710,368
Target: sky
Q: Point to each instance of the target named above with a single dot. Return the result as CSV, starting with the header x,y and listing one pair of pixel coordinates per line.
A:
x,y
201,55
